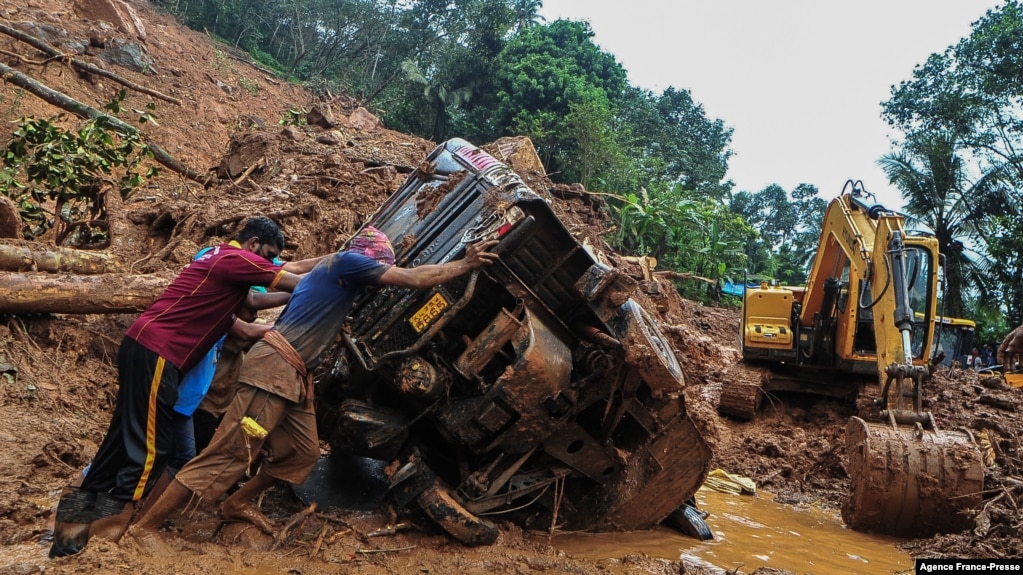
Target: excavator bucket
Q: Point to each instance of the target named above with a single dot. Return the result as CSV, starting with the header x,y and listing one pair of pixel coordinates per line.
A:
x,y
910,482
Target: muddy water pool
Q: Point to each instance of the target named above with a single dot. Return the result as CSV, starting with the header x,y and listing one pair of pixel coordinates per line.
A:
x,y
751,532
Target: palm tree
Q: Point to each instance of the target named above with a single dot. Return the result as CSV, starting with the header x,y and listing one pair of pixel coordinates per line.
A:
x,y
527,13
440,99
941,197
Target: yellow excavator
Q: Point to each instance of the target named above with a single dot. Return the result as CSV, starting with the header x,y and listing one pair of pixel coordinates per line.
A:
x,y
863,328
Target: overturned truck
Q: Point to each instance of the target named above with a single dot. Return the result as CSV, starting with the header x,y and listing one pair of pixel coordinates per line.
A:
x,y
535,389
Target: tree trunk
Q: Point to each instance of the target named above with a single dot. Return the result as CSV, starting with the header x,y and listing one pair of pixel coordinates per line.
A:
x,y
106,293
56,260
39,44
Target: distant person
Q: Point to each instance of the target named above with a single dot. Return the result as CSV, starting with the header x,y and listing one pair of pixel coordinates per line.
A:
x,y
275,382
972,360
987,356
165,341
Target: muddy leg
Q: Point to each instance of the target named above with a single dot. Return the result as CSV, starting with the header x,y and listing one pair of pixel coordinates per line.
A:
x,y
173,497
158,488
76,509
112,517
238,507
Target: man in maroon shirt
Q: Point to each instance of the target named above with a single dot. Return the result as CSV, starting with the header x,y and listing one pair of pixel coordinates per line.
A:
x,y
166,340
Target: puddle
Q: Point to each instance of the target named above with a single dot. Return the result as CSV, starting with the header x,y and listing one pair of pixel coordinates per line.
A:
x,y
752,532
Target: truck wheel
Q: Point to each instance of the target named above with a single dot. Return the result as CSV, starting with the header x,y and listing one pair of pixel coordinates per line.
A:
x,y
646,348
689,520
470,530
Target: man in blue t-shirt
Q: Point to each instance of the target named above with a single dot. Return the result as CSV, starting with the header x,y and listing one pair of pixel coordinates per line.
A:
x,y
275,381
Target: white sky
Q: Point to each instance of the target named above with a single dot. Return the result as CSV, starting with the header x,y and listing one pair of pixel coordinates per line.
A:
x,y
800,81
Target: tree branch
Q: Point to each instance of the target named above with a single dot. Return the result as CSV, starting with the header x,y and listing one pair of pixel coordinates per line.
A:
x,y
84,66
65,102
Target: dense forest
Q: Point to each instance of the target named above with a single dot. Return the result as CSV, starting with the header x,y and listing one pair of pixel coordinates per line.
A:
x,y
483,69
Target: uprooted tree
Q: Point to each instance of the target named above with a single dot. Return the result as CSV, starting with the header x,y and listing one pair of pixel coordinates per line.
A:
x,y
73,168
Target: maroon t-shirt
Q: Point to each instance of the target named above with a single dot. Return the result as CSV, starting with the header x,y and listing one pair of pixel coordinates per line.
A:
x,y
198,307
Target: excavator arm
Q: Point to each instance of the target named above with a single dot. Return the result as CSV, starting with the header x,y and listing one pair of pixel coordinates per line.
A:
x,y
907,477
903,380
866,316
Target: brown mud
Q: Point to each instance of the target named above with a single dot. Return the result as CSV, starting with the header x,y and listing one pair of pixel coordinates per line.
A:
x,y
58,376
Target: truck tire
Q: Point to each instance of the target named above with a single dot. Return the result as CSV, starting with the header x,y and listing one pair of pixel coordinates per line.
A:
x,y
688,519
442,507
646,348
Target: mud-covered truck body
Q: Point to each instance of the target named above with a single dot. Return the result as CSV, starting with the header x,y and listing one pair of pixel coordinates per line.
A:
x,y
534,387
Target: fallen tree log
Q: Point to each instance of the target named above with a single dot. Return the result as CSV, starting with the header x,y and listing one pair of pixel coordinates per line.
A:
x,y
52,52
77,294
684,276
57,260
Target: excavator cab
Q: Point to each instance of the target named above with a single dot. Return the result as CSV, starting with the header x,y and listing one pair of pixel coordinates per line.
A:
x,y
953,340
919,262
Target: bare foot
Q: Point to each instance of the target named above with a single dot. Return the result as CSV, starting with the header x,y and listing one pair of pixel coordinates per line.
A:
x,y
246,512
146,543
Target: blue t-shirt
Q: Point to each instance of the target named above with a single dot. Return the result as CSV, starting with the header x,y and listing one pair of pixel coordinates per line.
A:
x,y
196,382
322,301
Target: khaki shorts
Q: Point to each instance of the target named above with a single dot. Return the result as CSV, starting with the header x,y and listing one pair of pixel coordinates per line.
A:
x,y
291,444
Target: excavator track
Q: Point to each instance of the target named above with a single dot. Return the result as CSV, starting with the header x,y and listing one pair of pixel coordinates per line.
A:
x,y
909,481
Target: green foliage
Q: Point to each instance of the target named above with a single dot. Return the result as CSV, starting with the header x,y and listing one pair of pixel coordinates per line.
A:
x,y
1002,238
250,86
992,323
264,59
542,72
597,157
787,230
294,117
674,140
960,162
684,232
45,162
941,199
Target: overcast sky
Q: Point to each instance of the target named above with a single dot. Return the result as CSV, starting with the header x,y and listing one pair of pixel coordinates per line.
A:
x,y
800,81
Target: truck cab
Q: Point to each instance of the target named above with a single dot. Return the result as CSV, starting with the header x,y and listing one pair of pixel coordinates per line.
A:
x,y
535,376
